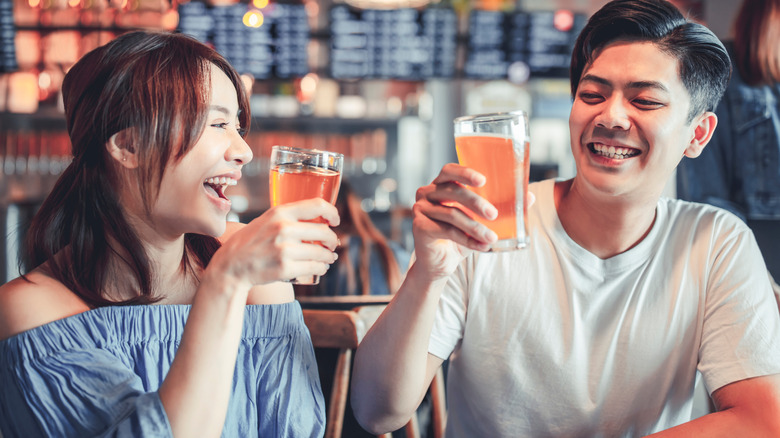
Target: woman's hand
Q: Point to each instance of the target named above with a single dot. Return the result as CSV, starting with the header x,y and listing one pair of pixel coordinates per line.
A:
x,y
279,245
444,233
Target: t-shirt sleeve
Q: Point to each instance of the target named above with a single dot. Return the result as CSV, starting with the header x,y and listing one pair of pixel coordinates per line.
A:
x,y
741,328
450,318
75,393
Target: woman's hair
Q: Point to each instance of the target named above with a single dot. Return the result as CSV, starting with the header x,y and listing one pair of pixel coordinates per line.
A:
x,y
757,42
705,67
155,87
356,222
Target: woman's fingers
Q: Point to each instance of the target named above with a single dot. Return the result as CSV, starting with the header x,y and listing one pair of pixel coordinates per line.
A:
x,y
296,259
294,231
311,209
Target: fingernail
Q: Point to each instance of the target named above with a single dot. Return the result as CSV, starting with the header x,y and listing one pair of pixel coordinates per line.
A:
x,y
491,213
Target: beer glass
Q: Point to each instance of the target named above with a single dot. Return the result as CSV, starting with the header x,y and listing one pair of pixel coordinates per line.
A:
x,y
298,174
496,145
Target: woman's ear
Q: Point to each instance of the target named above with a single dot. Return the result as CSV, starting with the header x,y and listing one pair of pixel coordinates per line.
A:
x,y
120,147
702,134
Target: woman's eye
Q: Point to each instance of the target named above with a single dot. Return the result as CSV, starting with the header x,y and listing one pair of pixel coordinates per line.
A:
x,y
221,125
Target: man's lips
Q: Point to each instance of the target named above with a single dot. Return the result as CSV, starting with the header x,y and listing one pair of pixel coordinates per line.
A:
x,y
613,152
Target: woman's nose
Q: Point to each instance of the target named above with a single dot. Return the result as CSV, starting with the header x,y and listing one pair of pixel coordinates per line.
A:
x,y
239,151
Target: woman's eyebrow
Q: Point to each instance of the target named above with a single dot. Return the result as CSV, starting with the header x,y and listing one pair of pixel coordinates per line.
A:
x,y
219,108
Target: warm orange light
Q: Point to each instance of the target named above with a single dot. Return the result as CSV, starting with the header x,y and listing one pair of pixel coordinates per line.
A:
x,y
44,80
312,8
309,85
253,19
73,3
34,3
259,4
563,20
170,19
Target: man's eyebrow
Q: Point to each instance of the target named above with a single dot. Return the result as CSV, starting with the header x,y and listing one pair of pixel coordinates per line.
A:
x,y
635,85
648,84
597,79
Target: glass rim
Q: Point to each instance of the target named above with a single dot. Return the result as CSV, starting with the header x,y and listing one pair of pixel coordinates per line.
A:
x,y
305,151
491,117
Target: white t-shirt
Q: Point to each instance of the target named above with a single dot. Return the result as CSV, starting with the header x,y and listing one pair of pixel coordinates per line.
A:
x,y
553,341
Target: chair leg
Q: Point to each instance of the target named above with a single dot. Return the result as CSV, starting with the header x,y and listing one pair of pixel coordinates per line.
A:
x,y
338,396
439,405
412,428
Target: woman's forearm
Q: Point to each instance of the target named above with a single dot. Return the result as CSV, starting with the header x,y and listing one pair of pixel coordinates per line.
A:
x,y
196,391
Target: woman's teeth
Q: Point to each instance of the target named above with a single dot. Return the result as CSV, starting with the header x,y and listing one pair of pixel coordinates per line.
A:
x,y
221,181
613,152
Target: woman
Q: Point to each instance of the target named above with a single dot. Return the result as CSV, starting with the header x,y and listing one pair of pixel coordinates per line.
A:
x,y
136,320
740,169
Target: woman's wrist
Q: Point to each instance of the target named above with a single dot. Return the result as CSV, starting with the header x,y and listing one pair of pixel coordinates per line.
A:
x,y
222,282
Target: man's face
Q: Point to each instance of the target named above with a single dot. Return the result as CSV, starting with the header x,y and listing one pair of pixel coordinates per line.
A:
x,y
628,123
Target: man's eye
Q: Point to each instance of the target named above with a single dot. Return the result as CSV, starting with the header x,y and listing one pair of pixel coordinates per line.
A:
x,y
644,103
591,97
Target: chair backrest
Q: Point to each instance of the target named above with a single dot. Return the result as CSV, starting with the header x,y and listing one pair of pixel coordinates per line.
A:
x,y
343,330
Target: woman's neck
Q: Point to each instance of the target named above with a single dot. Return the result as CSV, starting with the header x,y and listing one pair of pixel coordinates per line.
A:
x,y
171,280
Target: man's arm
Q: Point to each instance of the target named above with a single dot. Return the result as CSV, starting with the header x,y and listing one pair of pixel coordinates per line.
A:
x,y
749,408
392,366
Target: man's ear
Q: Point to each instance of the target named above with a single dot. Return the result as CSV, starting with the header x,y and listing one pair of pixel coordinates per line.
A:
x,y
120,147
702,133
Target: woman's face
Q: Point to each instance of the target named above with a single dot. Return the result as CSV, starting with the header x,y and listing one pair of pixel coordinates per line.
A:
x,y
192,193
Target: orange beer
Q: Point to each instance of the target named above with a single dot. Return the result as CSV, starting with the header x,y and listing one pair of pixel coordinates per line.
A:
x,y
297,174
297,181
494,156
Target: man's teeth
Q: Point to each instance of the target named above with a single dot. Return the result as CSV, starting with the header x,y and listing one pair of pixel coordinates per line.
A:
x,y
613,152
221,181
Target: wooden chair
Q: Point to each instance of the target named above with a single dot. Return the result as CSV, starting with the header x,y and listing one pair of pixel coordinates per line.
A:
x,y
343,330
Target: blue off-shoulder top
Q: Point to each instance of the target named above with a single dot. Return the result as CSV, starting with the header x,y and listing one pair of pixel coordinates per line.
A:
x,y
97,374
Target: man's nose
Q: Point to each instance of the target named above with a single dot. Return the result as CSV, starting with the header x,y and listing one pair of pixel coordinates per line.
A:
x,y
614,115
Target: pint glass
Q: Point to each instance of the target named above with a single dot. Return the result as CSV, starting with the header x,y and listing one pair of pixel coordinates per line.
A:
x,y
298,174
496,145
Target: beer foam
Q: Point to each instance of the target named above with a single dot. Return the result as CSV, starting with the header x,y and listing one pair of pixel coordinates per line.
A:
x,y
484,134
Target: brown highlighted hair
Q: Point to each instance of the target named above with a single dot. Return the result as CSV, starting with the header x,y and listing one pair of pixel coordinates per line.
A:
x,y
757,42
356,222
157,84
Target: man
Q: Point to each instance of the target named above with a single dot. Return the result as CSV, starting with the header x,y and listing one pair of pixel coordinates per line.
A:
x,y
621,301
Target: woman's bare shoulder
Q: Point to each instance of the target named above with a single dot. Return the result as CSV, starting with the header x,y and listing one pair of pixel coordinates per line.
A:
x,y
33,301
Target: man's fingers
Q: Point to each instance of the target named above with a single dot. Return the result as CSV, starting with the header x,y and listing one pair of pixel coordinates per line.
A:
x,y
452,223
452,172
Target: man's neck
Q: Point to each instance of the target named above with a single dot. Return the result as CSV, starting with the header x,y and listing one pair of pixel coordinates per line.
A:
x,y
604,225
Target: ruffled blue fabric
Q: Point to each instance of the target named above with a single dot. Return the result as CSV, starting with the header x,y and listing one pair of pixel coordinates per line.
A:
x,y
97,374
